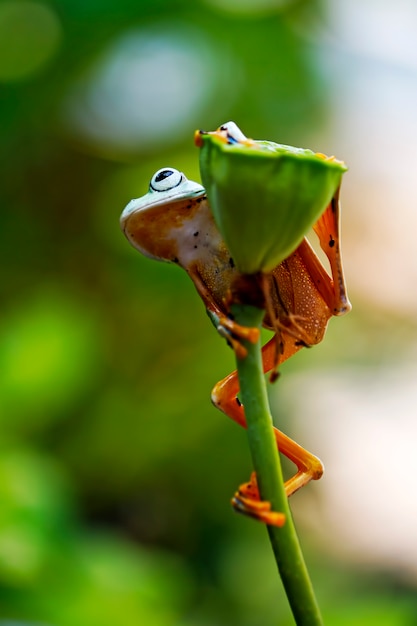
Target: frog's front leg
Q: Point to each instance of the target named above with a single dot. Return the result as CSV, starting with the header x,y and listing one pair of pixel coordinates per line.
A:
x,y
309,467
233,332
224,324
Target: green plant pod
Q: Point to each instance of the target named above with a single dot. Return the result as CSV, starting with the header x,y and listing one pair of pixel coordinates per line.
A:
x,y
264,196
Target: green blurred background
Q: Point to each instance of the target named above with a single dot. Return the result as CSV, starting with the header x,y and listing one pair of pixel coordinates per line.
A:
x,y
115,471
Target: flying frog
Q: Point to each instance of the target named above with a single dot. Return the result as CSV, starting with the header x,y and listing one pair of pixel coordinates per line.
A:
x,y
173,222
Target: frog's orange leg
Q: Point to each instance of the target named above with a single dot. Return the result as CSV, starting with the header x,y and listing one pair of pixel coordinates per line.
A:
x,y
327,229
224,397
247,501
226,327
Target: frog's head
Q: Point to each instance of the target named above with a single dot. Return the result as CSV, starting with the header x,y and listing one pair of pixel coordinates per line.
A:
x,y
153,223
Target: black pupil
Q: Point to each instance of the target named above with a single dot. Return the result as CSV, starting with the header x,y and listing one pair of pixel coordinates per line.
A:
x,y
162,175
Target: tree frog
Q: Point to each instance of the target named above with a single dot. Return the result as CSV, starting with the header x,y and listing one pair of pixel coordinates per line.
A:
x,y
173,222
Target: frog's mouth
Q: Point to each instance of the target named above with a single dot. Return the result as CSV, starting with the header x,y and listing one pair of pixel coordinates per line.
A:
x,y
161,198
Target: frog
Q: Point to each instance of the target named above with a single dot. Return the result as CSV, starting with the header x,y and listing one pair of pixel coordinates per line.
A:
x,y
173,222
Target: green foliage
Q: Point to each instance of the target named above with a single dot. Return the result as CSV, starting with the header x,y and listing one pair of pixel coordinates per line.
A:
x,y
49,352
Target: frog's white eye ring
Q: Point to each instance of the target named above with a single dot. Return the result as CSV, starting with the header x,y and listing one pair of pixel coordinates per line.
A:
x,y
234,134
166,178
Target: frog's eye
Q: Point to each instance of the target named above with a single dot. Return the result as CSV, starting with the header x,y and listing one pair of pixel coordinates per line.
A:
x,y
233,132
165,179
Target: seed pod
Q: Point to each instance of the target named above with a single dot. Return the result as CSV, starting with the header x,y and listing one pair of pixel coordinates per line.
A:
x,y
264,196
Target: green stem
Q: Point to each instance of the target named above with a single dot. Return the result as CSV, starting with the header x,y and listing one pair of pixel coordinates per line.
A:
x,y
284,540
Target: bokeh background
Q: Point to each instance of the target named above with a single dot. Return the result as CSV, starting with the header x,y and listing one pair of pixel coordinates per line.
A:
x,y
115,470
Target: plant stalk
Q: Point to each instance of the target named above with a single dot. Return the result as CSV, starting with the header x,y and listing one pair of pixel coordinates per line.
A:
x,y
266,462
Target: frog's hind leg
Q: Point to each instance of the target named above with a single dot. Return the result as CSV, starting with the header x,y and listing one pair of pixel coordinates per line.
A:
x,y
284,327
247,501
327,228
309,467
